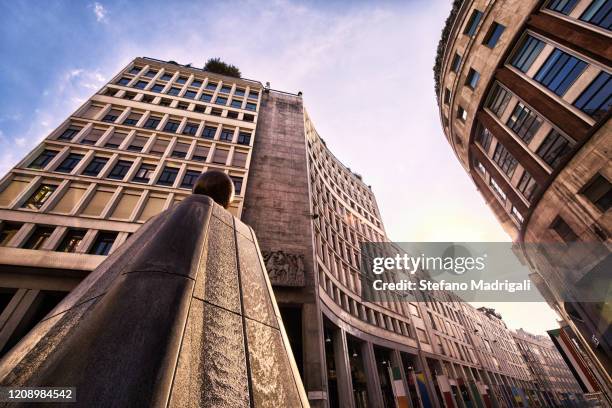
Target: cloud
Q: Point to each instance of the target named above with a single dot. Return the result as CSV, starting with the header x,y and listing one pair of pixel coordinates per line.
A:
x,y
100,12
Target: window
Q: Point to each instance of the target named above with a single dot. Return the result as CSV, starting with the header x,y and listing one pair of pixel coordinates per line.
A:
x,y
216,112
141,84
599,192
196,83
220,156
129,95
200,153
554,148
95,166
138,144
111,116
69,163
239,92
168,176
560,71
455,63
225,89
232,114
461,113
190,178
497,189
190,94
244,138
152,122
171,126
199,108
237,184
174,91
562,6
157,88
180,150
123,81
493,35
206,97
115,140
470,27
159,147
527,53
248,118
227,135
135,70
596,99
251,106
504,160
599,14
103,243
39,237
166,77
150,73
144,173
447,96
563,230
209,132
43,159
147,98
181,80
120,170
524,122
253,94
239,159
480,167
211,85
190,128
527,186
236,103
165,102
132,119
71,240
220,100
498,100
69,133
472,78
8,231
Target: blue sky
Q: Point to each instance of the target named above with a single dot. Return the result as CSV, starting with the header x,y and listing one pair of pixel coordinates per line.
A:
x,y
365,69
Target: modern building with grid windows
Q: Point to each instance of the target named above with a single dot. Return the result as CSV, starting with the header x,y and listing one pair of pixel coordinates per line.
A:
x,y
524,95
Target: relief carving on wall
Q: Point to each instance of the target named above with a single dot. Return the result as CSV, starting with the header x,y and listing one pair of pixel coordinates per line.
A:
x,y
284,269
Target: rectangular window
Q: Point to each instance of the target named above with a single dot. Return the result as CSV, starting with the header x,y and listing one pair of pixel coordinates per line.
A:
x,y
472,78
211,86
461,114
236,103
216,112
165,102
69,163
599,192
527,53
232,114
174,91
123,81
190,128
527,186
200,154
248,118
560,71
498,100
157,88
239,92
152,122
227,135
135,70
483,137
251,106
196,83
206,97
138,143
237,184
180,150
39,237
150,73
239,159
171,126
456,62
497,189
225,89
115,140
159,147
554,148
8,231
524,122
596,99
166,77
562,6
563,230
209,132
504,160
144,173
132,119
220,156
190,178
220,101
71,240
244,138
103,243
517,215
95,166
599,13
493,35
111,116
69,133
199,108
147,98
181,80
253,94
447,96
120,170
43,159
190,94
168,176
472,25
141,84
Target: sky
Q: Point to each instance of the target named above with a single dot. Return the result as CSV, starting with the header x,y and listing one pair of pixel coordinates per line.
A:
x,y
365,70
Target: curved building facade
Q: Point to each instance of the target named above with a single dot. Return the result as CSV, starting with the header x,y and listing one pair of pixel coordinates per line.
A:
x,y
524,92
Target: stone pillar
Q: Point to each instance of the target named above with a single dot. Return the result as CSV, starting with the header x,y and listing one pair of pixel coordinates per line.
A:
x,y
430,385
20,306
343,369
369,365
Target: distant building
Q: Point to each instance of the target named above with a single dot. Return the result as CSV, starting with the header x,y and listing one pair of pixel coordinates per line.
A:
x,y
524,92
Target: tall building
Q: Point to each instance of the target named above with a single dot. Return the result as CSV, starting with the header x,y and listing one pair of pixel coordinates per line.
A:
x,y
524,95
135,148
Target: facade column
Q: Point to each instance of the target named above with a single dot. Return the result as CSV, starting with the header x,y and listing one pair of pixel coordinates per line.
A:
x,y
16,312
315,377
430,380
369,365
343,370
396,361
